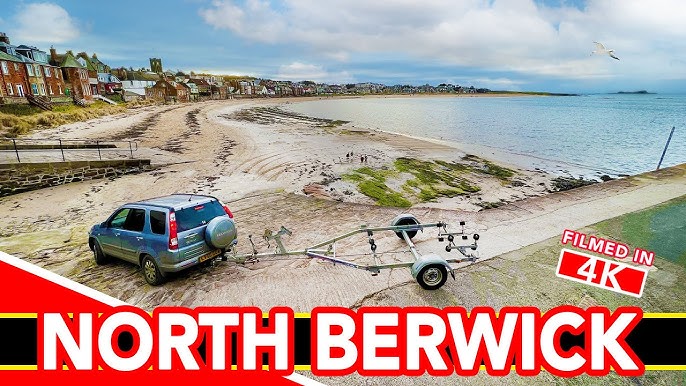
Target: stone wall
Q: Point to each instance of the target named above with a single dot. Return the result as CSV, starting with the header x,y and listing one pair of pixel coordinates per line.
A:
x,y
21,177
7,100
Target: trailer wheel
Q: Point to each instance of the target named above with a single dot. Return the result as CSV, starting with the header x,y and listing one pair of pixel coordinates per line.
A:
x,y
432,277
406,219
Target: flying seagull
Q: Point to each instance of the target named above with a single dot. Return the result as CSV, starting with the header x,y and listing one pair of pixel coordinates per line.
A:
x,y
600,49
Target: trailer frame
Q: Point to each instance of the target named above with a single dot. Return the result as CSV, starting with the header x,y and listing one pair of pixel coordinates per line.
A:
x,y
430,270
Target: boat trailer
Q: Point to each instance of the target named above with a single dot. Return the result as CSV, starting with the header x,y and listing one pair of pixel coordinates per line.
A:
x,y
430,270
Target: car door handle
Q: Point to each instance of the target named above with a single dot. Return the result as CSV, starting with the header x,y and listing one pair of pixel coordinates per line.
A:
x,y
139,238
191,235
117,234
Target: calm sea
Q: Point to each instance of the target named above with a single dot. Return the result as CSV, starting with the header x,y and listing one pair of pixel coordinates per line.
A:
x,y
588,134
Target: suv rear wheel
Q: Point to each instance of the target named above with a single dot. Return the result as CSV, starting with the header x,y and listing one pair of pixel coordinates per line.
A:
x,y
151,273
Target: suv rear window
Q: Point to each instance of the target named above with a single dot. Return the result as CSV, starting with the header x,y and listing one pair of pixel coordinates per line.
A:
x,y
198,215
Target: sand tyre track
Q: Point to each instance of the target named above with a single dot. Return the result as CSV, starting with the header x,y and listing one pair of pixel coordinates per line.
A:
x,y
98,255
432,277
151,272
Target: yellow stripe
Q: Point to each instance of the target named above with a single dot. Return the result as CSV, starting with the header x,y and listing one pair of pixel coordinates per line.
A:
x,y
19,316
665,367
18,367
664,315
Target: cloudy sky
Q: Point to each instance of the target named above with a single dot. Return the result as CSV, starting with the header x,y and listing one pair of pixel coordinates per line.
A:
x,y
528,45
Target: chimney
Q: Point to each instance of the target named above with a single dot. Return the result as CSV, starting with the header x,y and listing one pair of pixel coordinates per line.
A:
x,y
53,54
4,38
95,56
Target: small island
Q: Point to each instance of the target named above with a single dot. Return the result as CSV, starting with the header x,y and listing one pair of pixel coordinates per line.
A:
x,y
635,92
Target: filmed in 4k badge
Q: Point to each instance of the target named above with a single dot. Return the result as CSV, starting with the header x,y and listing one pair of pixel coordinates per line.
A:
x,y
602,272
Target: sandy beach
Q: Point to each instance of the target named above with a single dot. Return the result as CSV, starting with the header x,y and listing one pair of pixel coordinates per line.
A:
x,y
276,169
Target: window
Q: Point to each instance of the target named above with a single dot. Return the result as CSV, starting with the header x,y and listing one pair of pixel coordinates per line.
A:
x,y
135,221
47,71
195,216
57,73
59,88
10,90
42,89
16,67
20,90
37,67
5,69
34,88
50,89
158,222
118,220
29,68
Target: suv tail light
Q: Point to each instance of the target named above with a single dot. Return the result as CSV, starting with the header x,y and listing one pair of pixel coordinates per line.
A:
x,y
227,210
173,234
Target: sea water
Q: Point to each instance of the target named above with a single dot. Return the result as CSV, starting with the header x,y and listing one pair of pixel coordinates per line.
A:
x,y
612,134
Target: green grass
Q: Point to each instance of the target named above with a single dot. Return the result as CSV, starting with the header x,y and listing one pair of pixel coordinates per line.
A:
x,y
660,229
528,274
428,181
335,123
352,177
22,120
382,194
435,179
502,173
372,183
20,110
498,171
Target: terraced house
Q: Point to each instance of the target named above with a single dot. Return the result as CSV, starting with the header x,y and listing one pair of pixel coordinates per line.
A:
x,y
99,77
28,77
13,79
168,91
44,79
74,74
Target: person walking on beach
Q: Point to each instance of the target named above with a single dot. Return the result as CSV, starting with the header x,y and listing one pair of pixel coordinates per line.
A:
x,y
361,159
365,158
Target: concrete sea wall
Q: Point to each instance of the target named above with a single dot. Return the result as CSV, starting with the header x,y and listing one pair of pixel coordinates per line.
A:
x,y
21,177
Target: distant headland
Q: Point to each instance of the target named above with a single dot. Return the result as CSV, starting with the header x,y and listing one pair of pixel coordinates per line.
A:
x,y
635,92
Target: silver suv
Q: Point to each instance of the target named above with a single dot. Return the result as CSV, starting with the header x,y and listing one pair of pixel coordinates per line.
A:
x,y
165,234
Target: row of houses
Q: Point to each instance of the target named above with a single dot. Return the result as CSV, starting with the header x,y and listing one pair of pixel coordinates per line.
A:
x,y
29,75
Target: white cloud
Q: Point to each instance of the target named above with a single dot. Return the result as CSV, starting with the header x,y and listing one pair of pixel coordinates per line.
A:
x,y
44,23
496,83
255,20
297,71
498,35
